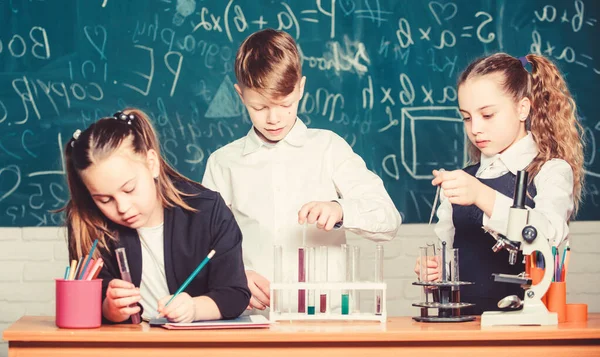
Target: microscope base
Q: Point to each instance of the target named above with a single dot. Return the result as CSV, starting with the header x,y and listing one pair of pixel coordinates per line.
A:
x,y
533,313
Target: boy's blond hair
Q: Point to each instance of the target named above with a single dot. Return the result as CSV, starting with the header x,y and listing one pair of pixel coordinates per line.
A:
x,y
268,62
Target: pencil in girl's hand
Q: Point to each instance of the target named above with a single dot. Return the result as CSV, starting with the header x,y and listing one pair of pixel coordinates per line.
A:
x,y
191,277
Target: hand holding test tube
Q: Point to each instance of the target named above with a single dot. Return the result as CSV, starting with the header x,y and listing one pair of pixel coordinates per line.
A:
x,y
126,276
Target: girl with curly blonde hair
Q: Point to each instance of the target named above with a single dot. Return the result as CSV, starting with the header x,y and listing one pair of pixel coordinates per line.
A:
x,y
515,120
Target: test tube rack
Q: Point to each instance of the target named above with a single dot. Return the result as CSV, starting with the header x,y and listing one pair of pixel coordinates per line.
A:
x,y
447,310
330,315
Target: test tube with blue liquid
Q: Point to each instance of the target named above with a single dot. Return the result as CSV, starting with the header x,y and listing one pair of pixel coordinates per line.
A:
x,y
311,279
347,278
126,276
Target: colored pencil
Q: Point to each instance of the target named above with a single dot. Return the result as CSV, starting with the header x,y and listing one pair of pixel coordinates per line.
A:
x,y
87,261
191,277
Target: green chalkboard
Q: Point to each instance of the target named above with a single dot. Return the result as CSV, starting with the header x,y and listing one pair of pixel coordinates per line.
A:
x,y
380,73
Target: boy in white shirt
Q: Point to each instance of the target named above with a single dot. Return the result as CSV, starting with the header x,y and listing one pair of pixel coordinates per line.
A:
x,y
282,175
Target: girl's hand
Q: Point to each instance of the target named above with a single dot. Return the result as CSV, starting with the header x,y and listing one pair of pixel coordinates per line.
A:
x,y
459,187
121,300
433,270
181,309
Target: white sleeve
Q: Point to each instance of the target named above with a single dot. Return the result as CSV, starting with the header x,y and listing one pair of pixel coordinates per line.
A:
x,y
215,179
367,207
553,200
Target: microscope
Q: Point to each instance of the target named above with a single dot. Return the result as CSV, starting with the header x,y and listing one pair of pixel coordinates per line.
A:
x,y
525,233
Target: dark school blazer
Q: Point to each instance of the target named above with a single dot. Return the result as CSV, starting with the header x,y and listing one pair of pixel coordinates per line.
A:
x,y
188,238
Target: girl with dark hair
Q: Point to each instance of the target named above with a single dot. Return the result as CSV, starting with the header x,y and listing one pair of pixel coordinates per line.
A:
x,y
124,194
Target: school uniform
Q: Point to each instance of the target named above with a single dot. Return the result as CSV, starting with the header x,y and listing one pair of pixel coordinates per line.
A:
x,y
551,194
188,238
267,184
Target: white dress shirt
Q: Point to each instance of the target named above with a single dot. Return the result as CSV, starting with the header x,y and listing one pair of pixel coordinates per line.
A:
x,y
553,183
154,281
266,185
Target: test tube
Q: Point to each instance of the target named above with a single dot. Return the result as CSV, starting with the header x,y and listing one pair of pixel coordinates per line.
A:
x,y
378,278
354,294
311,279
432,253
423,256
277,277
347,278
323,278
455,298
301,279
126,276
444,294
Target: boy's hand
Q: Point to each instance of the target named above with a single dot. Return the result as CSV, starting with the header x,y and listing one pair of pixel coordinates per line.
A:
x,y
260,288
181,309
326,214
433,270
121,300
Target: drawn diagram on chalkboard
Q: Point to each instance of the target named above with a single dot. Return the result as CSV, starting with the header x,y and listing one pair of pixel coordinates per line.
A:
x,y
432,138
226,103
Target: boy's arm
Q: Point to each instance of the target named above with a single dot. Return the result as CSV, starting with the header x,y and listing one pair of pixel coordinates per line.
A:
x,y
367,207
215,180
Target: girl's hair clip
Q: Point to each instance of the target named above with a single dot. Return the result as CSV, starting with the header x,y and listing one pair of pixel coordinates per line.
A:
x,y
125,117
75,137
524,62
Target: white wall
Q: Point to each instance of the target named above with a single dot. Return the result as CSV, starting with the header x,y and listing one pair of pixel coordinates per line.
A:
x,y
30,258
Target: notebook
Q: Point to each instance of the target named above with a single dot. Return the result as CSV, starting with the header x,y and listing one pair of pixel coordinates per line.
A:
x,y
252,321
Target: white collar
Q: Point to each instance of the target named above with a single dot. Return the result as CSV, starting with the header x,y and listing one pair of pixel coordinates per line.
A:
x,y
516,157
296,137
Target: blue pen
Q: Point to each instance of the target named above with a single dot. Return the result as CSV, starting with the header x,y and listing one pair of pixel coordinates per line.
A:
x,y
67,272
87,261
192,276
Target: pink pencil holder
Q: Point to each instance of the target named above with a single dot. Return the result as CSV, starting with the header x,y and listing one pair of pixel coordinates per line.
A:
x,y
78,303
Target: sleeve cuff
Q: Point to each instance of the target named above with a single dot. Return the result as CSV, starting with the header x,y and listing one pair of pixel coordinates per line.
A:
x,y
499,219
340,224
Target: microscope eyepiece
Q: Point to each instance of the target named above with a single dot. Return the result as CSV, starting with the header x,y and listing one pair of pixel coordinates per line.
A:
x,y
520,190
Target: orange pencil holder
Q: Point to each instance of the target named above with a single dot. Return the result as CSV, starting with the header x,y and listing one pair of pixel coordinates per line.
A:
x,y
536,276
557,300
577,312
